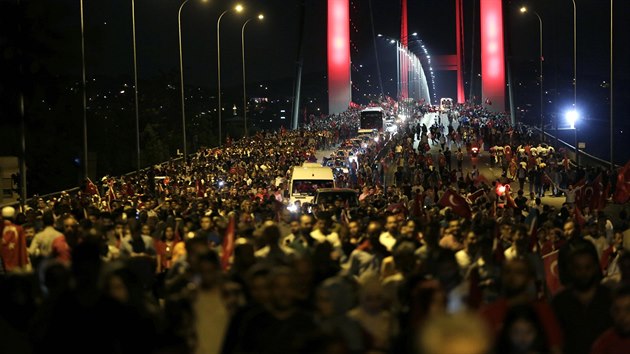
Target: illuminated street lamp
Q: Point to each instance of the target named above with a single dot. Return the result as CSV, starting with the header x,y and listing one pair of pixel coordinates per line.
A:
x,y
572,117
260,18
181,76
135,84
542,122
238,8
83,85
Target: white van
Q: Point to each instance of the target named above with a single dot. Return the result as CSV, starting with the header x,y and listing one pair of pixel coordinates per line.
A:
x,y
305,181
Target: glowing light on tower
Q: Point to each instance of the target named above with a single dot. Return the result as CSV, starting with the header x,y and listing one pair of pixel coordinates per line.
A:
x,y
459,29
404,40
492,55
339,89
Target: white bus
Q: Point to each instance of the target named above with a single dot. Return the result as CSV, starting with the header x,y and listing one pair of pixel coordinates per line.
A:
x,y
372,118
446,104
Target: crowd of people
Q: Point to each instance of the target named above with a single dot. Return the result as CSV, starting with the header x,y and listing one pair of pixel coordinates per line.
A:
x,y
204,257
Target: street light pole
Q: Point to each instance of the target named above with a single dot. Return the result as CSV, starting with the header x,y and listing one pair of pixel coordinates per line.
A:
x,y
219,72
540,31
181,78
574,55
260,17
542,97
577,150
135,85
612,125
83,83
237,8
573,117
244,80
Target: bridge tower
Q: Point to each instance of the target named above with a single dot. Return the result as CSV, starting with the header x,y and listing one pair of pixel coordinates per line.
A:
x,y
492,54
339,84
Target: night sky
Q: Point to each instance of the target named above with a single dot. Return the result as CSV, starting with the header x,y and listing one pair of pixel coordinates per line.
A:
x,y
272,48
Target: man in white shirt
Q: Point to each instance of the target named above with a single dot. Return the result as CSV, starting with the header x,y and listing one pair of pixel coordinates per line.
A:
x,y
322,233
42,243
469,255
390,236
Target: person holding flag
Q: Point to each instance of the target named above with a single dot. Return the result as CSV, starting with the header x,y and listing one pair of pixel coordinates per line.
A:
x,y
13,253
456,202
622,188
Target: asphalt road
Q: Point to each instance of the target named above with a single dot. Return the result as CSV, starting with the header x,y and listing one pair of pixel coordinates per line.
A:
x,y
483,165
482,161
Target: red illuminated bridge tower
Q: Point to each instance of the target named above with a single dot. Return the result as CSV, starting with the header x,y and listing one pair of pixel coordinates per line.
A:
x,y
492,54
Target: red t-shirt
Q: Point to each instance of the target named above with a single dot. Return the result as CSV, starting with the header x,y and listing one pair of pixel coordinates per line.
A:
x,y
495,313
61,250
610,342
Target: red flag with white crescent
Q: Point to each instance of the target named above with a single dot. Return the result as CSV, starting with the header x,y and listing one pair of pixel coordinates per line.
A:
x,y
90,188
456,202
622,189
552,278
128,190
228,243
596,202
476,195
580,195
200,189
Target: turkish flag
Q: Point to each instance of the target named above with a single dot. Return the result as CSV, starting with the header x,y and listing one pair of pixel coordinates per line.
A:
x,y
456,202
90,188
580,195
200,189
622,189
550,261
597,201
476,195
579,218
128,188
228,243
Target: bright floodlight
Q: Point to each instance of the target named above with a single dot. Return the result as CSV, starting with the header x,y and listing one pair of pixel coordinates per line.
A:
x,y
379,35
261,17
572,117
414,34
392,41
523,9
238,8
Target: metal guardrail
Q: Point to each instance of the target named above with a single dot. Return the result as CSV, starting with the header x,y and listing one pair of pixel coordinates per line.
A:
x,y
584,157
17,204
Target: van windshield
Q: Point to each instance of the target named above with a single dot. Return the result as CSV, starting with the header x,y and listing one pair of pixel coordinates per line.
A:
x,y
310,186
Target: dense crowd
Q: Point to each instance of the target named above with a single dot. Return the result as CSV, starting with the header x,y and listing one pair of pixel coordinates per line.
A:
x,y
204,257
